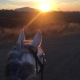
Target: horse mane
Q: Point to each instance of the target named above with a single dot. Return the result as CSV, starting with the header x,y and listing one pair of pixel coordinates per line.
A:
x,y
16,70
30,42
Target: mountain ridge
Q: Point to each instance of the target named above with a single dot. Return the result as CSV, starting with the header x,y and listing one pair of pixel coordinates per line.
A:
x,y
27,9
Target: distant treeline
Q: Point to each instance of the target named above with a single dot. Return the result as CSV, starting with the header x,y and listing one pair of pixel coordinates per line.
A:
x,y
13,19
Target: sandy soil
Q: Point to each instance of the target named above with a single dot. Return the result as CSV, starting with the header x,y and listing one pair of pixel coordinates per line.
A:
x,y
62,54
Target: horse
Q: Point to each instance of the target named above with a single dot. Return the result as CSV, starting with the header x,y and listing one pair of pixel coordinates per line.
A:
x,y
26,59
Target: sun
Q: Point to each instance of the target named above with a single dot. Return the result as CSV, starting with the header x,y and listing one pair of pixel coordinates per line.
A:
x,y
44,7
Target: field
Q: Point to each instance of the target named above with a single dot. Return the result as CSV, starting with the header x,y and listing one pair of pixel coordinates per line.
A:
x,y
51,23
62,55
61,40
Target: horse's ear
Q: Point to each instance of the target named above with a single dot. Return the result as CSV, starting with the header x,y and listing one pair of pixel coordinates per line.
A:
x,y
21,36
37,39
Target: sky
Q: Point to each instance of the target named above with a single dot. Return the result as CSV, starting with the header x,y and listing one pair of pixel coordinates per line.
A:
x,y
62,5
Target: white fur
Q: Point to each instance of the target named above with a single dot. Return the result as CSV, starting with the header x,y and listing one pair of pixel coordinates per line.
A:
x,y
21,37
30,58
36,42
37,39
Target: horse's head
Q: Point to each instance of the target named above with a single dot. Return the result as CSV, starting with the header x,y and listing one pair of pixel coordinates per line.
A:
x,y
31,51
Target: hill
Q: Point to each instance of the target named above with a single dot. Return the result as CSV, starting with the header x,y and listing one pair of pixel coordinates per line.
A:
x,y
27,9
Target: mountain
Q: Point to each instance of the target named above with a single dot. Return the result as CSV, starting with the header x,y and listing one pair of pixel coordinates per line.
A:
x,y
27,9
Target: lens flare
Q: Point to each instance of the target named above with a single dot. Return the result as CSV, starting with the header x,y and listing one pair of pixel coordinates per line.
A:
x,y
44,7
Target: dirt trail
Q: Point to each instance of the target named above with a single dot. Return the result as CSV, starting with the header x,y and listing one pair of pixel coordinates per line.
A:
x,y
62,54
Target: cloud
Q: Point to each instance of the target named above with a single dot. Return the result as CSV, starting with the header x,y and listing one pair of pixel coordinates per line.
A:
x,y
30,3
73,6
13,5
71,3
10,6
77,1
6,6
66,1
18,0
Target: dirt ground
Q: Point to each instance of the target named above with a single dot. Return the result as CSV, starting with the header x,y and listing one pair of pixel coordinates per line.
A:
x,y
62,55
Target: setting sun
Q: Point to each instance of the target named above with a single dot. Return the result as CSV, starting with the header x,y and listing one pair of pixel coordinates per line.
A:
x,y
44,7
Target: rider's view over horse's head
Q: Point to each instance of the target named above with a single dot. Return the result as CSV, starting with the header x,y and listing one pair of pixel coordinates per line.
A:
x,y
26,59
31,47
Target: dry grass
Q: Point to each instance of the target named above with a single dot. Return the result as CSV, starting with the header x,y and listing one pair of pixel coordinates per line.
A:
x,y
47,29
9,34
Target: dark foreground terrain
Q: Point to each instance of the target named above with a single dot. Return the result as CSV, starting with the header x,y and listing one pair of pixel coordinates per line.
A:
x,y
62,54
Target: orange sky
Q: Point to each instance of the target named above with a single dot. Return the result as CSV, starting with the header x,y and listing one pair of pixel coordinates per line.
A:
x,y
63,5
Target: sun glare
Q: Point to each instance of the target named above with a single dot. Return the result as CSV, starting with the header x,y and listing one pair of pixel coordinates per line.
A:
x,y
44,7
